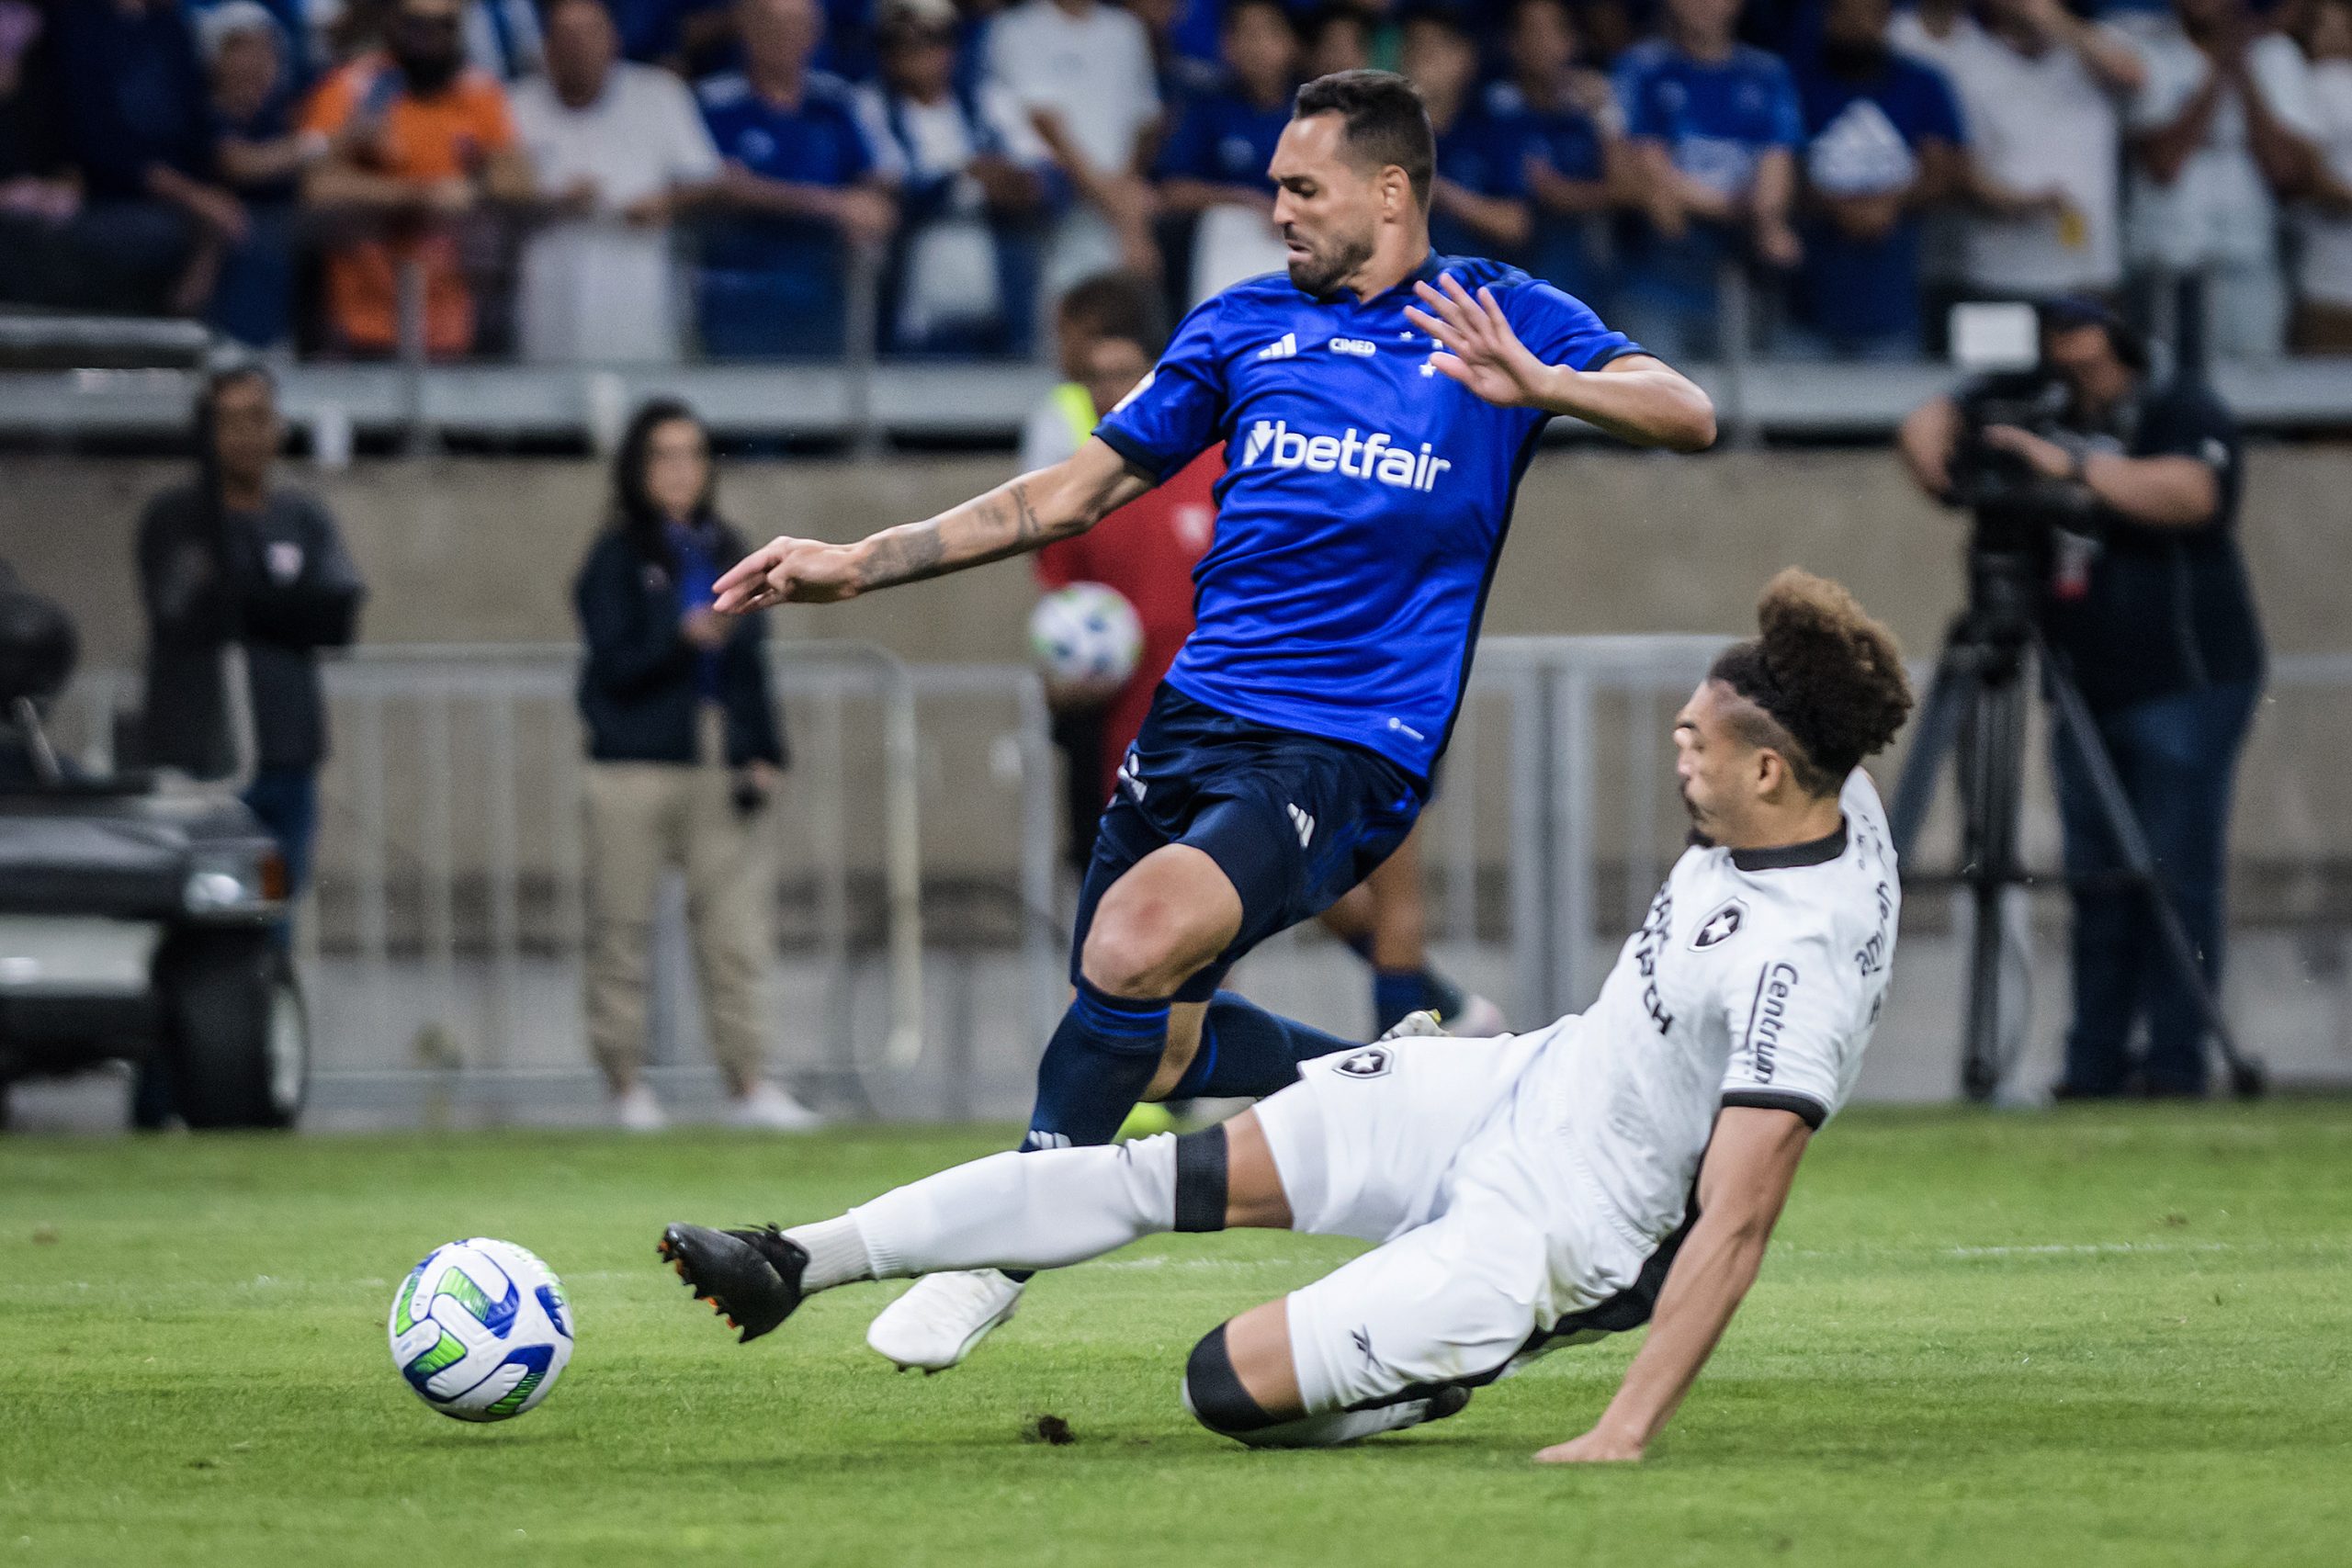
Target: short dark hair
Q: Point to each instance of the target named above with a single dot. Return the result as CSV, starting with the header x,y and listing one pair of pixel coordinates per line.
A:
x,y
1385,122
1115,305
1826,680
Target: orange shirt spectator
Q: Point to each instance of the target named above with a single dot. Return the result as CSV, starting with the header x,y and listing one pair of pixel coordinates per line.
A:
x,y
419,142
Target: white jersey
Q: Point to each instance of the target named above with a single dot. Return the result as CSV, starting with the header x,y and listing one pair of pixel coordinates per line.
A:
x,y
1762,971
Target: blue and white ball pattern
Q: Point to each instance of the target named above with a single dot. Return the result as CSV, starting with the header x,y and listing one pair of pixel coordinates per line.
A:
x,y
1087,631
480,1329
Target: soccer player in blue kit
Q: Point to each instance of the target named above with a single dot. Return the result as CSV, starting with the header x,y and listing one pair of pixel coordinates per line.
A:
x,y
1378,405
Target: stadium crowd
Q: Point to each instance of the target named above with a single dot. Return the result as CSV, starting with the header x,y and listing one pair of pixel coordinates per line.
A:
x,y
631,180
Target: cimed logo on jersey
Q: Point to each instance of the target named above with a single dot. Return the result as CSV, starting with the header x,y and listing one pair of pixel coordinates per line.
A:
x,y
1357,457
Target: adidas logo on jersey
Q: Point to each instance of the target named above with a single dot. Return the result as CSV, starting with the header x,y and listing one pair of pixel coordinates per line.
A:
x,y
1283,347
1374,457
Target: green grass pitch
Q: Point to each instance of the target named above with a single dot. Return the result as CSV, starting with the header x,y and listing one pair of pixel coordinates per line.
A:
x,y
2082,1337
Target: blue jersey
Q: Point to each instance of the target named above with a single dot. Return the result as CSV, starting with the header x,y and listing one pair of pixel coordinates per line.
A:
x,y
1716,118
1224,140
1364,500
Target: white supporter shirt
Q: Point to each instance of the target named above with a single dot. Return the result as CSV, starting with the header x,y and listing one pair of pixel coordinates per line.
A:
x,y
598,288
1756,981
2035,123
2219,207
1094,70
2324,269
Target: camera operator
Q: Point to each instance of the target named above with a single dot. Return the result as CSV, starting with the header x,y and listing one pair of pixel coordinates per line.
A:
x,y
2126,495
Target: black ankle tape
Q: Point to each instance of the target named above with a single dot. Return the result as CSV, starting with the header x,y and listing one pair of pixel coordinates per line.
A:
x,y
1201,1180
1213,1392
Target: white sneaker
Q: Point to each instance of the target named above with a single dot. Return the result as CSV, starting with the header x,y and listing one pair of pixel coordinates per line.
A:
x,y
635,1111
769,1108
936,1324
1479,1020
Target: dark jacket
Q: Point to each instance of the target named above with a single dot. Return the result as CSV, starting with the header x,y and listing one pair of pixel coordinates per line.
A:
x,y
278,582
637,683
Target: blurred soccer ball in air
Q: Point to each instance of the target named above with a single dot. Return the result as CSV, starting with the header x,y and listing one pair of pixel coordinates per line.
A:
x,y
481,1330
1085,632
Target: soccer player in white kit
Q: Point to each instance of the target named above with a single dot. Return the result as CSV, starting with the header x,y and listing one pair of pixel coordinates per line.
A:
x,y
1527,1192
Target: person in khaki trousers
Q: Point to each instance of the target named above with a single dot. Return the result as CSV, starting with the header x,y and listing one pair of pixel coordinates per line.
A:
x,y
684,753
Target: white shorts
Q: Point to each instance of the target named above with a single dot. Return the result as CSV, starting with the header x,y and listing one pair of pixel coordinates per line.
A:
x,y
1442,1150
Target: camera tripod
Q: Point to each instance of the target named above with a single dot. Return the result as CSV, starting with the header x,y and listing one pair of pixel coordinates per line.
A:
x,y
1975,713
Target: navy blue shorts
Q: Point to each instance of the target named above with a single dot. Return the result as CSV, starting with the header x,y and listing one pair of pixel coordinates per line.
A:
x,y
1293,820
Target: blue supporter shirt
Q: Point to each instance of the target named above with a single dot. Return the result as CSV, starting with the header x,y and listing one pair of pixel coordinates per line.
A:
x,y
1570,142
1225,140
818,143
133,93
1364,500
1865,137
1481,153
1716,118
697,548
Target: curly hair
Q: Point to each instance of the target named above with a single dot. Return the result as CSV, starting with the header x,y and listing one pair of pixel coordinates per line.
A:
x,y
1826,680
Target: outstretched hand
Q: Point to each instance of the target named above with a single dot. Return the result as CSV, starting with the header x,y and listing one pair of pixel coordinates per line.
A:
x,y
1595,1447
806,571
1476,345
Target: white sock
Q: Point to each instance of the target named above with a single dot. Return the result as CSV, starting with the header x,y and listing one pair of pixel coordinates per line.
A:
x,y
836,1253
1046,1210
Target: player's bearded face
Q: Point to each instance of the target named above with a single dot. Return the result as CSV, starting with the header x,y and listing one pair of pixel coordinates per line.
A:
x,y
1317,262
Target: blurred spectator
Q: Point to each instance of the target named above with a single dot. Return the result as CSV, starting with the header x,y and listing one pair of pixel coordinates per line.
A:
x,y
1339,38
1574,144
1181,73
1113,305
1929,33
421,139
975,180
2223,128
685,757
1146,551
1882,140
1214,164
2037,89
153,222
1714,127
38,190
502,38
1081,70
233,558
800,181
261,157
617,148
1479,200
2324,270
685,35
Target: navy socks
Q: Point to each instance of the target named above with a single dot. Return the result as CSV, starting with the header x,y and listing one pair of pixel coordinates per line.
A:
x,y
1096,1066
1245,1050
1395,992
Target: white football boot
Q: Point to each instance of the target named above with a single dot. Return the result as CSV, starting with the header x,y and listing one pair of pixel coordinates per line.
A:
x,y
939,1321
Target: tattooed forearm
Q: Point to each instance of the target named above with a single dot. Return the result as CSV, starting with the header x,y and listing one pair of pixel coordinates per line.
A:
x,y
1019,516
907,554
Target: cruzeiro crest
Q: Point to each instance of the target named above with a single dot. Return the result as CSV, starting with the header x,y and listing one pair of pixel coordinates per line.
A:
x,y
1371,1061
1721,926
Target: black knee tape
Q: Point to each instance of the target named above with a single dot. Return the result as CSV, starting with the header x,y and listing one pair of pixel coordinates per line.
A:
x,y
1214,1394
1201,1180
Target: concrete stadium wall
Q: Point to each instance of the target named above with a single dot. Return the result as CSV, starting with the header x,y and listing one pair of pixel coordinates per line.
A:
x,y
483,550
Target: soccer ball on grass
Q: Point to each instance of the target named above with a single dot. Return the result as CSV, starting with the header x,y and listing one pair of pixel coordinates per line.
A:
x,y
480,1329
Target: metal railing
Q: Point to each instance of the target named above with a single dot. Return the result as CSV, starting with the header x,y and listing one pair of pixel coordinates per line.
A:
x,y
926,915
